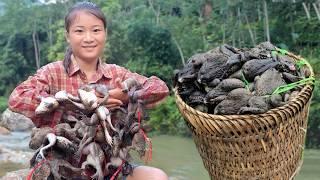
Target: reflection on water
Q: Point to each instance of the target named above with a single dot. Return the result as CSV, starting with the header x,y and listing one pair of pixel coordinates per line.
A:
x,y
9,166
15,141
15,144
177,156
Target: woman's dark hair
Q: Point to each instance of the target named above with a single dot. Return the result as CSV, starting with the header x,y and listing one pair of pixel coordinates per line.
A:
x,y
71,15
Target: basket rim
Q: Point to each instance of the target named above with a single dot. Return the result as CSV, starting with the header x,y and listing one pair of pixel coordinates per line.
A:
x,y
306,87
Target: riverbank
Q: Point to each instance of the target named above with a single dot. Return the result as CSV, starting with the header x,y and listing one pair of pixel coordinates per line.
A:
x,y
181,160
177,156
311,167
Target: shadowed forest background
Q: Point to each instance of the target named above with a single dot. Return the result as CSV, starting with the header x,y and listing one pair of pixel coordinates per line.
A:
x,y
154,37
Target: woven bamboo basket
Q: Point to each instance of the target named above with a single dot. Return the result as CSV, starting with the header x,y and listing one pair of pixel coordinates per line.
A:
x,y
263,146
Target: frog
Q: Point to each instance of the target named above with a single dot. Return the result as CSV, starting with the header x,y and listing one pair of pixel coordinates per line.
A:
x,y
256,67
104,116
261,51
47,105
198,59
237,75
290,78
95,158
62,169
268,82
196,100
286,64
256,105
138,143
289,96
90,134
63,129
235,56
213,69
219,93
261,104
235,100
228,50
267,45
187,74
212,84
88,98
128,84
196,97
219,67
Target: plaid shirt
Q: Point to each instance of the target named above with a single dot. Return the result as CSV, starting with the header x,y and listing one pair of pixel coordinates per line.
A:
x,y
52,78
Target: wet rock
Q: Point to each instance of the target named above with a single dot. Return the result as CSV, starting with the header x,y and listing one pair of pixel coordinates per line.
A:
x,y
16,175
14,156
4,131
15,121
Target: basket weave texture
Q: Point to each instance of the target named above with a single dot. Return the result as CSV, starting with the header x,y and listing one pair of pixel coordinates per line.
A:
x,y
262,146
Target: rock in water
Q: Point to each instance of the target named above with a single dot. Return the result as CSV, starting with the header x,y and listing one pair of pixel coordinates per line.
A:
x,y
15,121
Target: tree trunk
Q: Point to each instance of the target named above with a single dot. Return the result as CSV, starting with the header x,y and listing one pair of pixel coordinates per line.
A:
x,y
294,5
36,48
39,49
250,31
203,26
306,9
265,9
179,49
239,26
292,19
317,10
223,33
206,10
156,13
50,32
259,12
292,28
233,39
8,44
158,16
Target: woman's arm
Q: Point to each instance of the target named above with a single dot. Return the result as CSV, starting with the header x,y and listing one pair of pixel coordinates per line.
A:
x,y
26,96
154,89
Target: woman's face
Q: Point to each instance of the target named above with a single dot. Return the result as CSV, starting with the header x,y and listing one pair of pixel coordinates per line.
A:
x,y
86,36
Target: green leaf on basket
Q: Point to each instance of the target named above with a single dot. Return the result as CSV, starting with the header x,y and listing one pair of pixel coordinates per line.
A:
x,y
290,86
245,80
282,51
301,63
274,53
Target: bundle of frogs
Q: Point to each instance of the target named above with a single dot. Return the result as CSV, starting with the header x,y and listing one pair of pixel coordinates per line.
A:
x,y
227,80
90,140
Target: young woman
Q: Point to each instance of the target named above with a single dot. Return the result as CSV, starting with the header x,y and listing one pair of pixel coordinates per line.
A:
x,y
86,34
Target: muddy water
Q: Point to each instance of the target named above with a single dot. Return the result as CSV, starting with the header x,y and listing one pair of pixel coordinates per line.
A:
x,y
14,151
177,156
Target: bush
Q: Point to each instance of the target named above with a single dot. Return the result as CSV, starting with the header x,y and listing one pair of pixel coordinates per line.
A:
x,y
166,119
3,103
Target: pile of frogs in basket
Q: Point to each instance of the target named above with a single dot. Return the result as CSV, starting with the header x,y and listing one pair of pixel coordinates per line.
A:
x,y
228,80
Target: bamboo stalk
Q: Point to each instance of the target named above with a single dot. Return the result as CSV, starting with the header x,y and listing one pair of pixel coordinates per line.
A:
x,y
306,10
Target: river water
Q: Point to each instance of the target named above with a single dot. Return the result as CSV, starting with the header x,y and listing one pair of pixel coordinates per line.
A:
x,y
177,156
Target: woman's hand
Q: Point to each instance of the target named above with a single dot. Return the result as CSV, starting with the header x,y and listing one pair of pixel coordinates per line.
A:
x,y
116,96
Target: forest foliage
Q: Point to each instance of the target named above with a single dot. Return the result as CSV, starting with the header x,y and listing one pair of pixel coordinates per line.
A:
x,y
154,37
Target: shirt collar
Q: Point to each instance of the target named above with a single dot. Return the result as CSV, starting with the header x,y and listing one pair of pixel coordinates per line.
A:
x,y
104,69
101,69
73,67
